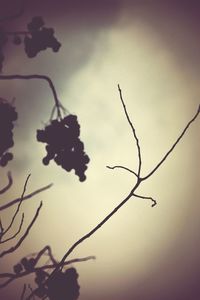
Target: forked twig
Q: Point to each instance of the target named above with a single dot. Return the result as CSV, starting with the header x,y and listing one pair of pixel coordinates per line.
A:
x,y
122,167
12,249
15,201
18,207
131,193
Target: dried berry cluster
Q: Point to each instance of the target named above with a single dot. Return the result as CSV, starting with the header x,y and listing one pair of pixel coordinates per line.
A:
x,y
36,39
7,116
40,38
25,265
61,285
64,145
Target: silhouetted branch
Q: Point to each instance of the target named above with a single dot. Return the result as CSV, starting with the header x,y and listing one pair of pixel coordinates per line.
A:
x,y
18,14
36,76
13,276
12,249
15,201
133,130
18,231
18,207
132,193
23,292
173,146
144,197
49,253
122,167
90,233
10,182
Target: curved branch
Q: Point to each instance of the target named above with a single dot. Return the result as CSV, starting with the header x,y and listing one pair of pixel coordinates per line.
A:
x,y
12,249
148,198
23,292
18,207
173,146
18,231
36,76
15,201
16,15
11,277
10,182
122,167
133,130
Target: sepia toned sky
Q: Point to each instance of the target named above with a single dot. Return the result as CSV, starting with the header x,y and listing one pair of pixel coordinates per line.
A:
x,y
150,48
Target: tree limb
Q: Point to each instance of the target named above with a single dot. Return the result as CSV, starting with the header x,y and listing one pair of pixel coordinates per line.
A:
x,y
173,146
12,249
133,130
122,167
144,197
15,201
36,76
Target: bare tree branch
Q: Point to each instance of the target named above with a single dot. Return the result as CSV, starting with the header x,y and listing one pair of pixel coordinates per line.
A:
x,y
12,249
122,167
49,253
174,145
10,182
15,201
132,193
36,76
14,236
18,207
23,292
148,198
133,130
12,276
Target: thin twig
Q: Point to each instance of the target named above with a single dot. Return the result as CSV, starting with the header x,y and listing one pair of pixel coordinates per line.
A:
x,y
133,130
132,193
122,167
147,198
173,146
23,292
97,227
18,231
10,182
15,201
36,76
19,205
42,252
14,248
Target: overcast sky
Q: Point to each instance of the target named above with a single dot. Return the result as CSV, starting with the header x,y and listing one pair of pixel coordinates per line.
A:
x,y
150,48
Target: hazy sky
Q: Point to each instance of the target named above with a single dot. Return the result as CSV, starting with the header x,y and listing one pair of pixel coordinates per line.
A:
x,y
151,48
